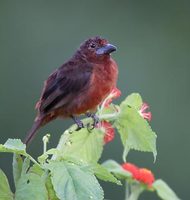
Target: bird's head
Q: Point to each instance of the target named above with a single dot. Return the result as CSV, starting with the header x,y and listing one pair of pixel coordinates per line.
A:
x,y
96,49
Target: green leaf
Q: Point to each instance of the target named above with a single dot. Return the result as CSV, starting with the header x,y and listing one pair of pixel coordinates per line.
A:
x,y
103,174
13,146
31,186
5,192
134,130
36,169
116,169
25,166
83,144
164,191
74,182
45,176
134,100
17,167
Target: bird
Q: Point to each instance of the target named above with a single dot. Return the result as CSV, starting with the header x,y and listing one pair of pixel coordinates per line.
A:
x,y
78,86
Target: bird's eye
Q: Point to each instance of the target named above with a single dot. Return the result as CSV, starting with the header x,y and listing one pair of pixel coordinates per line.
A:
x,y
92,45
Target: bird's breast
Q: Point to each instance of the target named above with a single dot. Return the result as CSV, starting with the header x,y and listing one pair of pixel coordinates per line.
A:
x,y
103,80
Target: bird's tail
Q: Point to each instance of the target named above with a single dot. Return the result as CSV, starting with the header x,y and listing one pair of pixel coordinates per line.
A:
x,y
31,134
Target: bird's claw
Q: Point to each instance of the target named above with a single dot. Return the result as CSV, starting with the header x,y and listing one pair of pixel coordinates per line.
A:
x,y
95,118
89,126
80,125
78,122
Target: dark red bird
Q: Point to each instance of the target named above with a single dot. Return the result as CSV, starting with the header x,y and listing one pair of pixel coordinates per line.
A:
x,y
79,85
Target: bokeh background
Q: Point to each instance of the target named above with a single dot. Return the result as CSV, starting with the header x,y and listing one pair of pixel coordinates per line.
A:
x,y
153,40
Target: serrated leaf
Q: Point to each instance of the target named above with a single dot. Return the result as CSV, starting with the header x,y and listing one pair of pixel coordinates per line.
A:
x,y
87,146
116,169
134,100
5,191
31,186
103,174
13,146
17,167
135,131
74,182
164,191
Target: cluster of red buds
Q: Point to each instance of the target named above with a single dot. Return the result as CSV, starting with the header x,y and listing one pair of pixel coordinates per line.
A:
x,y
142,175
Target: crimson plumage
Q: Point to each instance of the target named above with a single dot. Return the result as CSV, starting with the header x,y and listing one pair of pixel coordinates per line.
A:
x,y
79,85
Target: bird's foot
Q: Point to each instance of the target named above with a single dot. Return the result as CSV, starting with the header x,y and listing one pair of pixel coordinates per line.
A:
x,y
78,122
95,119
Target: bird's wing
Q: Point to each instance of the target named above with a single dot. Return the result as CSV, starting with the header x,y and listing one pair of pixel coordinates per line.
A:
x,y
63,85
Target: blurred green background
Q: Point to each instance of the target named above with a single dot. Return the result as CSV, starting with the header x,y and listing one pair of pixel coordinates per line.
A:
x,y
153,40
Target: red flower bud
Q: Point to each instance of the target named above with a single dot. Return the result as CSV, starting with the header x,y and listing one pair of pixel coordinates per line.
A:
x,y
146,176
143,112
115,93
108,130
142,175
133,169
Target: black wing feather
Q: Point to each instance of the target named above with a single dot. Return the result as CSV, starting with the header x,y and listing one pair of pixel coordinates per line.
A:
x,y
61,88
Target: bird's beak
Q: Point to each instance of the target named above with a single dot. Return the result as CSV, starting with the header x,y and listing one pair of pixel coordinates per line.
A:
x,y
106,49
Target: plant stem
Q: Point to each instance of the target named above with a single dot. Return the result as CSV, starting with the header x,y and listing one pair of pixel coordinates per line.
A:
x,y
135,192
127,192
34,161
45,147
